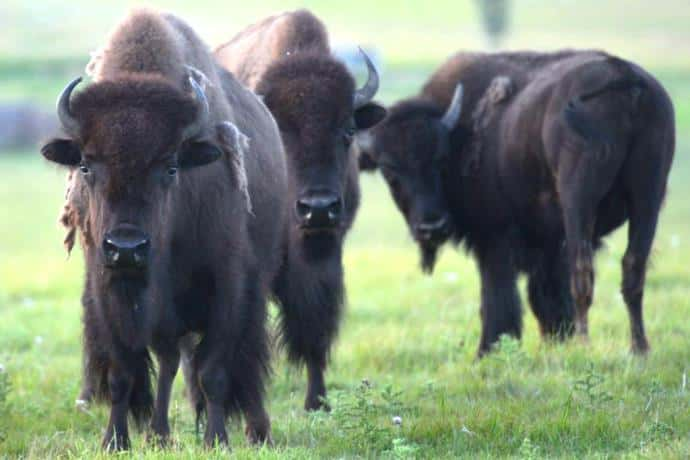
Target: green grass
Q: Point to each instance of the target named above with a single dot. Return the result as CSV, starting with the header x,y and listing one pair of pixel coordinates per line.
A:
x,y
412,337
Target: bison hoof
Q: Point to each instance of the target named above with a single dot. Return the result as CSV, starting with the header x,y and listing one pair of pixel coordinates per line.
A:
x,y
219,438
640,347
115,443
82,405
258,436
158,438
312,404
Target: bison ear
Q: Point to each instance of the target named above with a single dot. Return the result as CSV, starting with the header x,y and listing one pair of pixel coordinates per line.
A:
x,y
62,151
193,154
369,115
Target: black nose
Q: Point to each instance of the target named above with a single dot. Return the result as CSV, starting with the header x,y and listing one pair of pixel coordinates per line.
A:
x,y
432,229
319,211
126,248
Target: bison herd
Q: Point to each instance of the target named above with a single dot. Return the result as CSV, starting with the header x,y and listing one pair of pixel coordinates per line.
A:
x,y
202,184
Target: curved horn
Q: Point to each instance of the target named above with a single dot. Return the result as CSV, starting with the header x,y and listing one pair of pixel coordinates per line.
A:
x,y
69,123
366,93
195,128
452,115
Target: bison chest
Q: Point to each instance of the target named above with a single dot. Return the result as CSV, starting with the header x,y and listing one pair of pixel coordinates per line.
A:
x,y
192,300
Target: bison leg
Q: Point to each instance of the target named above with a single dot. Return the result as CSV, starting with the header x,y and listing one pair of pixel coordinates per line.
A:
x,y
88,386
645,202
501,311
586,173
94,359
634,269
550,297
316,386
214,383
579,227
258,428
580,191
311,304
120,385
168,363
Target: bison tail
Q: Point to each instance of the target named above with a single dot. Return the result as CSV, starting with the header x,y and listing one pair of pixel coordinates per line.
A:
x,y
581,121
628,81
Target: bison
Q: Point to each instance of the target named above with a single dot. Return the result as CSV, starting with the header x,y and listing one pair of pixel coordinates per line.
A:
x,y
287,60
530,159
177,190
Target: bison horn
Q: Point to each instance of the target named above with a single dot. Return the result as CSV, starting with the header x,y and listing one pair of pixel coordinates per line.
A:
x,y
195,128
452,115
69,123
366,93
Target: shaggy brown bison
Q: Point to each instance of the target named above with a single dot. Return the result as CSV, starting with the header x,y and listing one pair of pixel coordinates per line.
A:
x,y
286,59
540,156
177,188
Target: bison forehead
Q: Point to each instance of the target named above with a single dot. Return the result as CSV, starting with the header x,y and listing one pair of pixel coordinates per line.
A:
x,y
305,87
145,92
409,134
132,133
140,117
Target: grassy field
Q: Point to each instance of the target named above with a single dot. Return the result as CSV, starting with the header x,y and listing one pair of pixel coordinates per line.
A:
x,y
411,338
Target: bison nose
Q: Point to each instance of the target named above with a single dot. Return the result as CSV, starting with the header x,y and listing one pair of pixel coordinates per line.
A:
x,y
432,229
319,211
126,248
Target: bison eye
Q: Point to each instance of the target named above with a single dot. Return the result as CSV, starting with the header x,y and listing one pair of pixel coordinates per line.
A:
x,y
84,169
348,136
172,171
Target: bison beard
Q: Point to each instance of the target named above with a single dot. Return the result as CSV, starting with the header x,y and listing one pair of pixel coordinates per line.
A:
x,y
429,253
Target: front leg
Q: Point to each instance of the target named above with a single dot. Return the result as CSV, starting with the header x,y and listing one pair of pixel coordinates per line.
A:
x,y
316,386
168,363
217,351
215,384
501,311
120,384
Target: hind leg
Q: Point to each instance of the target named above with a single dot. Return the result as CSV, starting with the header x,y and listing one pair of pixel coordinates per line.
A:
x,y
644,213
579,226
634,268
585,175
550,297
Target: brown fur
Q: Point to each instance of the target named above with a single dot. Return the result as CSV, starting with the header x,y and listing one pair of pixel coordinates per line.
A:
x,y
249,53
552,152
213,259
287,60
